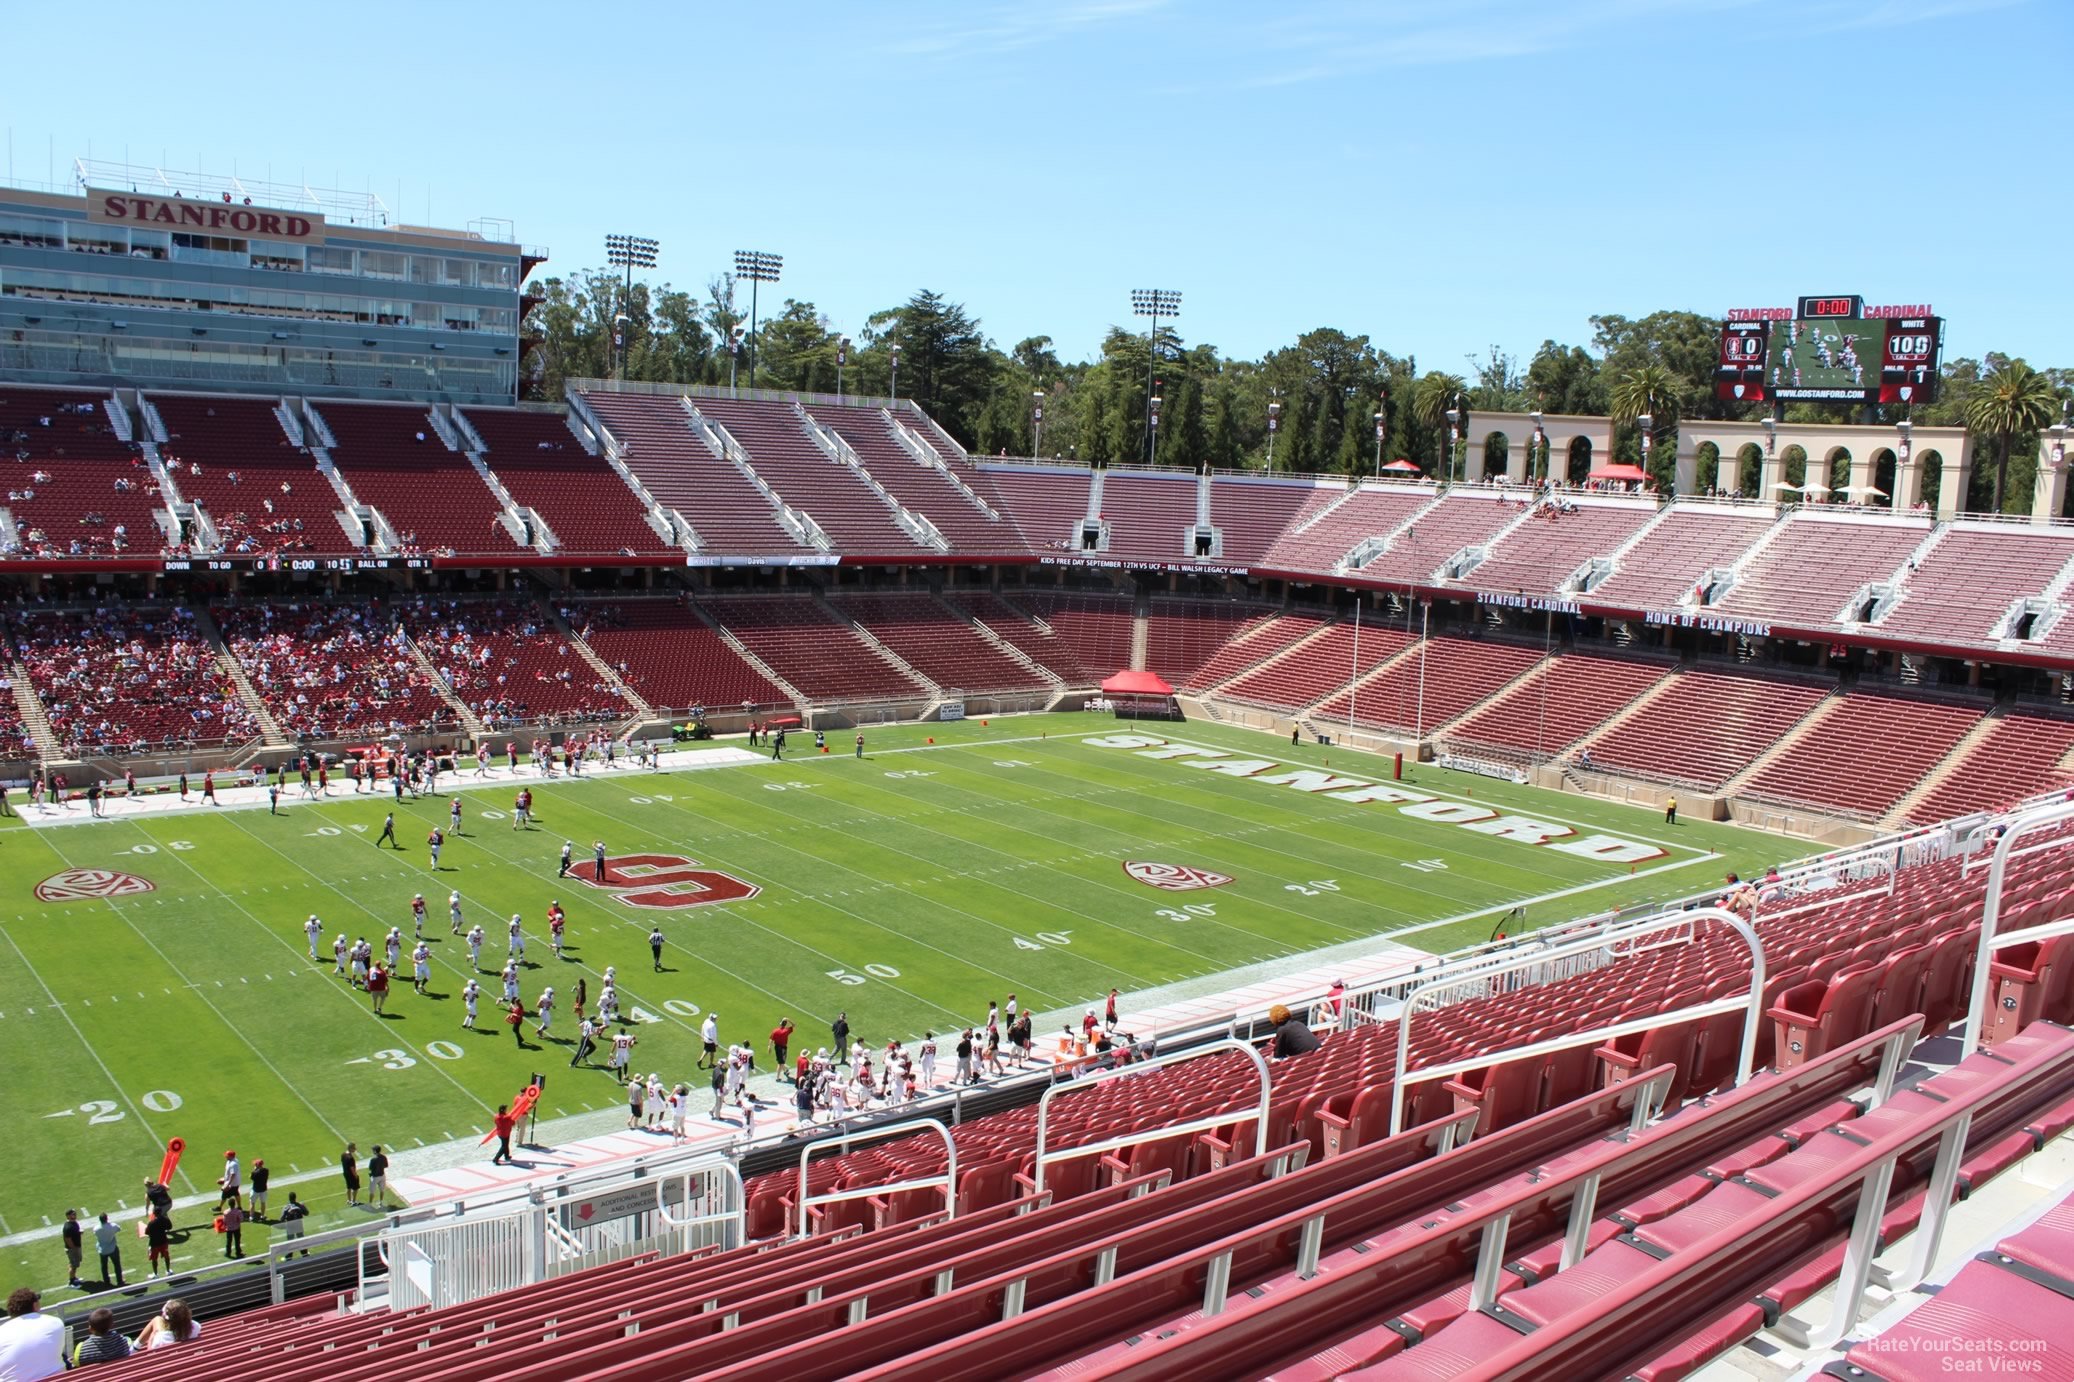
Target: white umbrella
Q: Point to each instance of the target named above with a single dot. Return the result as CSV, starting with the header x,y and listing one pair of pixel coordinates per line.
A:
x,y
1872,491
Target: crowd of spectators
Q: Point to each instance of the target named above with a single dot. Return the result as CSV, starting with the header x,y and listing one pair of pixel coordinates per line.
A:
x,y
508,663
333,670
122,680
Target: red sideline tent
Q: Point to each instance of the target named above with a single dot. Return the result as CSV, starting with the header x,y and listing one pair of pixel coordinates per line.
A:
x,y
1634,474
1141,696
1137,684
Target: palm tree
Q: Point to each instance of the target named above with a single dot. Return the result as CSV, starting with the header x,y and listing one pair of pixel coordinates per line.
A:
x,y
1649,391
1432,396
2012,400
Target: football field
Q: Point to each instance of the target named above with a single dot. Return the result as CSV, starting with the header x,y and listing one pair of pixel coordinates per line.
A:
x,y
908,888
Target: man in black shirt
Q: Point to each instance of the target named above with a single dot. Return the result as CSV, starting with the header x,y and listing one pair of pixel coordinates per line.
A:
x,y
1292,1037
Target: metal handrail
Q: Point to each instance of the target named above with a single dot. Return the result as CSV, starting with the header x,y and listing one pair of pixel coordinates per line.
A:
x,y
1752,1003
949,1178
1203,1124
1991,914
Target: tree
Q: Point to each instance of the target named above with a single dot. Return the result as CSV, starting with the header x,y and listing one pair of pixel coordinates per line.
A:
x,y
2014,399
1649,390
947,364
1435,393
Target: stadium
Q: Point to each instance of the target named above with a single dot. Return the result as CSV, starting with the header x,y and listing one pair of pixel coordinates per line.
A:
x,y
671,875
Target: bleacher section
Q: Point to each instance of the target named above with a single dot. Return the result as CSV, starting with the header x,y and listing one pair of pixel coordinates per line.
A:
x,y
1966,584
2023,753
119,680
1710,725
1047,503
262,492
729,514
800,641
938,644
394,462
333,671
1013,626
780,451
669,656
1374,510
583,500
506,661
1538,558
1321,666
1181,635
1865,753
1560,702
1464,516
1813,566
1433,684
75,488
1254,513
1149,515
1097,628
1264,641
1666,565
922,488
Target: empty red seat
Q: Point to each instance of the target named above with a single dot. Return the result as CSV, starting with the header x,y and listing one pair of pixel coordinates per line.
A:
x,y
1815,1016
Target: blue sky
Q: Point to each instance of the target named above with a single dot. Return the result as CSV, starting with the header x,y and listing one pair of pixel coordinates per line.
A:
x,y
1440,176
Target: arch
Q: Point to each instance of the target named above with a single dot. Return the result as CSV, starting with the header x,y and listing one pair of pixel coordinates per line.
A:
x,y
1884,464
1836,468
1749,468
1706,469
1793,461
1497,451
1932,462
1578,466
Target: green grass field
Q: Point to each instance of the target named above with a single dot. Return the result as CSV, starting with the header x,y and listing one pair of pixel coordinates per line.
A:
x,y
909,888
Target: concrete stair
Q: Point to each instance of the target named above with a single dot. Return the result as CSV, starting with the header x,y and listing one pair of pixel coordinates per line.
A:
x,y
205,624
1905,808
1140,634
470,721
590,655
1001,645
34,718
1809,722
726,636
886,654
1313,636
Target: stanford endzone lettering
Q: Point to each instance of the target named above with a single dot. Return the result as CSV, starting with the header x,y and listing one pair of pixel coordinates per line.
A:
x,y
1470,816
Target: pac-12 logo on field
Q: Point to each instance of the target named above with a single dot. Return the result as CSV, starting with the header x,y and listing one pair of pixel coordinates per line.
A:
x,y
1174,878
664,881
74,884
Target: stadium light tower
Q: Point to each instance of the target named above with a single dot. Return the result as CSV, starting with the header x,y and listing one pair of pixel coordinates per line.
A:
x,y
1036,422
1454,427
842,357
1646,422
758,267
1274,423
1378,443
629,252
895,387
1154,303
1538,444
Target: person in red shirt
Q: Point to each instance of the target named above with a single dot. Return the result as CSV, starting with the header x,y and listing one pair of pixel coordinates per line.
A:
x,y
209,788
516,1020
803,1069
781,1037
378,986
503,1124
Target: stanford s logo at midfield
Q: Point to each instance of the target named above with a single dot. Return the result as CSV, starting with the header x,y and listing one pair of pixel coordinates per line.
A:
x,y
664,881
74,884
1174,878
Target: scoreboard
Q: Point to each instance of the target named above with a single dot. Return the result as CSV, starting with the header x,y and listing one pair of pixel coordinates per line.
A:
x,y
1829,349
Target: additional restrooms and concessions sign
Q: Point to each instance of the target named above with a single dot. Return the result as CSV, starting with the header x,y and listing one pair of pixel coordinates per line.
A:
x,y
205,217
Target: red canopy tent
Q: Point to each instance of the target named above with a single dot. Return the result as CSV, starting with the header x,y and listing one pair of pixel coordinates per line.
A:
x,y
1402,467
1633,474
1137,684
1142,695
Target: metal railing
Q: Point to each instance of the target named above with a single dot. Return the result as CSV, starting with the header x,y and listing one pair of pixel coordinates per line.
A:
x,y
1991,913
1752,1003
948,1180
1206,1123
